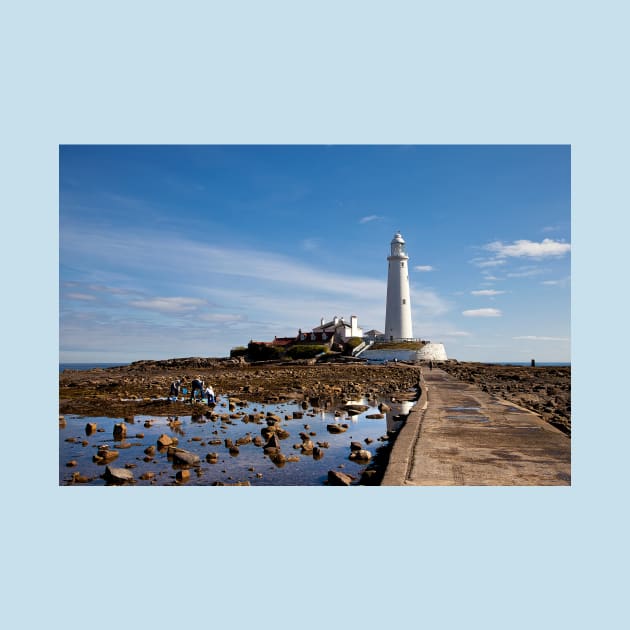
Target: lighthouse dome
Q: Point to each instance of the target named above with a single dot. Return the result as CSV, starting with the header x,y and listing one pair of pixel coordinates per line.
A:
x,y
398,238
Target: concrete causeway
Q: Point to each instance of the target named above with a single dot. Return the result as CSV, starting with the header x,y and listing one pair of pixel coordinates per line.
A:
x,y
458,435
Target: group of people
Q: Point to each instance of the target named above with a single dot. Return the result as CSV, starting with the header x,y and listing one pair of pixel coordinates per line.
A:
x,y
198,389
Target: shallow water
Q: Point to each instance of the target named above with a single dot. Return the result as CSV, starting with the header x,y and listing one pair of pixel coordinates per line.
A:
x,y
250,465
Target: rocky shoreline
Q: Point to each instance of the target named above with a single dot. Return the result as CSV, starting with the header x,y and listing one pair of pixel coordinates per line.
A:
x,y
545,390
142,388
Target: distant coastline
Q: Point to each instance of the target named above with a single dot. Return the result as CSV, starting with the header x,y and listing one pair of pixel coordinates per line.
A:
x,y
87,366
92,366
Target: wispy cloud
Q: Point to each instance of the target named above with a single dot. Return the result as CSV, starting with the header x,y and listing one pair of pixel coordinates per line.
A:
x,y
487,262
423,268
487,292
536,338
80,296
529,249
371,217
169,304
557,283
526,272
482,312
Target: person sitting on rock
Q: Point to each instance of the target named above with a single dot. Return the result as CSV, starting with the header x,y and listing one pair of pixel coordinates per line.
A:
x,y
209,394
196,386
175,388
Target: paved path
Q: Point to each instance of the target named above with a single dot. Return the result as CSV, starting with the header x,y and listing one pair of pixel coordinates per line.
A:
x,y
457,435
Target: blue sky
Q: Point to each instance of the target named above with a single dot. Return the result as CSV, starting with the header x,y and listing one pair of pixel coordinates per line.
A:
x,y
175,251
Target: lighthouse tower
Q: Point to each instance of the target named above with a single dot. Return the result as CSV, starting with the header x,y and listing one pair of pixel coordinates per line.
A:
x,y
398,311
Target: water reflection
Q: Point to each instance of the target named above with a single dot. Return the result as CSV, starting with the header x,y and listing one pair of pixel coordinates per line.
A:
x,y
397,414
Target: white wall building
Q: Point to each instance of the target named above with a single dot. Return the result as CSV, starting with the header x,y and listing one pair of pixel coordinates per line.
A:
x,y
340,328
398,309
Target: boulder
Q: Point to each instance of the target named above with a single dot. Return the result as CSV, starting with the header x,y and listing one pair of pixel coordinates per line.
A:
x,y
181,456
164,440
118,475
360,455
120,431
90,428
336,478
375,416
104,455
182,476
335,428
355,446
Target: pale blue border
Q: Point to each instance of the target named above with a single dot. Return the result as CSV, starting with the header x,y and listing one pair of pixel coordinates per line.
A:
x,y
277,72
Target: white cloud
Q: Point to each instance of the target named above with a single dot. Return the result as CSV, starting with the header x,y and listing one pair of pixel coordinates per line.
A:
x,y
524,248
169,304
536,338
371,217
526,272
221,317
482,312
80,296
423,268
487,292
493,262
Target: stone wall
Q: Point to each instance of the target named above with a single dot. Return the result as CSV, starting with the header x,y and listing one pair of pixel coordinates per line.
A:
x,y
429,352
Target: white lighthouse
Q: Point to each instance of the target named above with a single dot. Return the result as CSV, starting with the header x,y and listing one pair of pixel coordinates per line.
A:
x,y
398,311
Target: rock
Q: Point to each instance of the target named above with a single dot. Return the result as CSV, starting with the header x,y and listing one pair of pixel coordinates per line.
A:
x,y
273,442
336,478
90,428
71,463
355,446
212,458
164,440
368,440
335,428
246,439
150,450
383,408
182,476
282,433
307,447
355,408
140,436
228,443
375,416
317,453
234,451
293,458
181,456
360,455
62,421
104,455
118,475
147,475
297,415
279,459
323,444
258,441
120,431
77,477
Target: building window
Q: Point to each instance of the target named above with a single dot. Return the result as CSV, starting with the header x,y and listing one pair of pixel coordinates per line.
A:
x,y
404,301
402,264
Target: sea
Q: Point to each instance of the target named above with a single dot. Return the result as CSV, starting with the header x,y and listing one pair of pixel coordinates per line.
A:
x,y
91,366
87,366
